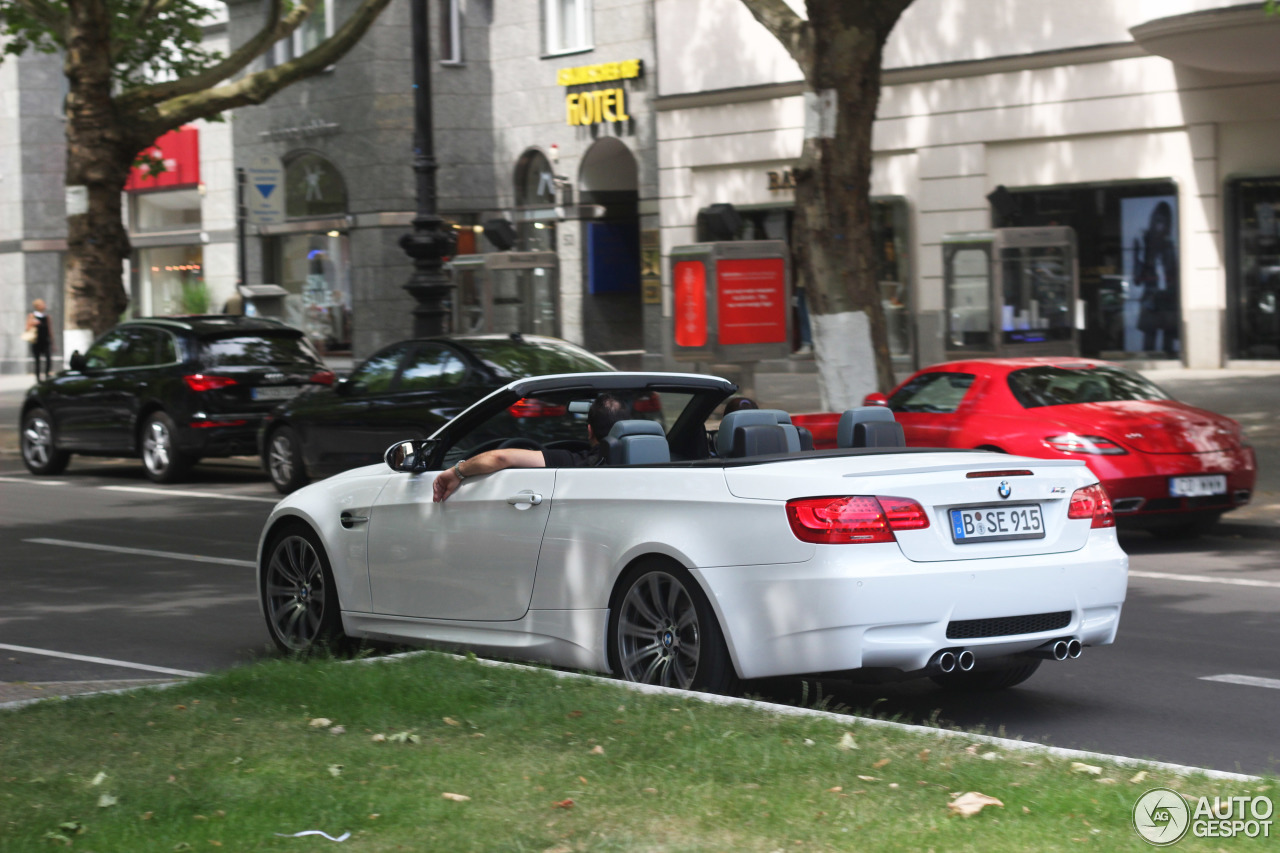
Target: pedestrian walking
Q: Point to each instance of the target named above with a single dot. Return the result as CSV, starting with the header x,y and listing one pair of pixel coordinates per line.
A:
x,y
38,335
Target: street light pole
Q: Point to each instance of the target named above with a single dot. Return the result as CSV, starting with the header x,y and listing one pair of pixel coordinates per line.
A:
x,y
432,240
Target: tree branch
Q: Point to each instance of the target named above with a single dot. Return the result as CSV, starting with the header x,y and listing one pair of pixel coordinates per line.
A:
x,y
790,29
149,10
51,17
259,86
271,32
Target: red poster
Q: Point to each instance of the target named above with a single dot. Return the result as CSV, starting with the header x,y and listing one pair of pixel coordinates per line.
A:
x,y
691,304
751,301
179,150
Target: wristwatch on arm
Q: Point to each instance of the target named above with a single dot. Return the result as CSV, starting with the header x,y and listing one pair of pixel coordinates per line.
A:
x,y
457,470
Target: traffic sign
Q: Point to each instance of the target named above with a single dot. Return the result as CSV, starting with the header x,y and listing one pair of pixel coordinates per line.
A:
x,y
264,195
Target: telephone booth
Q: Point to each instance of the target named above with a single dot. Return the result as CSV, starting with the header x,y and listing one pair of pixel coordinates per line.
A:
x,y
505,292
1012,292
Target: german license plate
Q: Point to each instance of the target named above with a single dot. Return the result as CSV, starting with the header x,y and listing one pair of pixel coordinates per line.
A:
x,y
990,523
1195,487
277,392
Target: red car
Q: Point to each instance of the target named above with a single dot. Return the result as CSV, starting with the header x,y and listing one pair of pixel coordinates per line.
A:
x,y
1168,466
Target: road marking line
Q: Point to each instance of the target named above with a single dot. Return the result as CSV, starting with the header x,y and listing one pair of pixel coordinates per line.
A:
x,y
1247,680
33,481
144,552
144,490
1169,576
145,667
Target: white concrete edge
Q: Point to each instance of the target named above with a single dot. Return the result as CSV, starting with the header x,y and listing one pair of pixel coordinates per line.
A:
x,y
770,707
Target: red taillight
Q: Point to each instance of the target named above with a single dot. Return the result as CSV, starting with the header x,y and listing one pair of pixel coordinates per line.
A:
x,y
203,382
1094,445
1092,502
213,424
854,519
1021,472
650,402
323,377
531,407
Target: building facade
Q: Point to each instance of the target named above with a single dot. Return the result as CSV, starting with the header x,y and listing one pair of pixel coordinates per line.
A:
x,y
1145,127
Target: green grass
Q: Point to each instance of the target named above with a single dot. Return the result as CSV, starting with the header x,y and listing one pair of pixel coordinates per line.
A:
x,y
226,761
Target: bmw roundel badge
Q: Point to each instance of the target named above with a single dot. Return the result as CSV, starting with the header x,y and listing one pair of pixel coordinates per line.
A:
x,y
1004,490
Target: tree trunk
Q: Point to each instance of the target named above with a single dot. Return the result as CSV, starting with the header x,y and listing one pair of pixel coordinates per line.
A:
x,y
99,155
833,205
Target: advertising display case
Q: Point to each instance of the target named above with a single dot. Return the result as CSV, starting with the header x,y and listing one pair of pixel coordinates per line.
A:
x,y
732,301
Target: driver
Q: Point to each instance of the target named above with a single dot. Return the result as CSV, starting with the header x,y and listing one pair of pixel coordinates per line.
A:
x,y
606,410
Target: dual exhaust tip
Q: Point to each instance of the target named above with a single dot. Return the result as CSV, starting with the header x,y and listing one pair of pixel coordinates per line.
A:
x,y
951,660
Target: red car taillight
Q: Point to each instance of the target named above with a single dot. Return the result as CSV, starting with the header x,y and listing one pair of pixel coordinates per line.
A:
x,y
650,402
1092,502
1094,445
203,382
323,377
531,407
853,520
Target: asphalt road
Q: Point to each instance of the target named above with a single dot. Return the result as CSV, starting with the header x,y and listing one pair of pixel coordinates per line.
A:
x,y
110,580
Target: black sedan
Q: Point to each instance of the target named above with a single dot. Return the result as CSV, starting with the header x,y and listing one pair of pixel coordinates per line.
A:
x,y
404,391
169,390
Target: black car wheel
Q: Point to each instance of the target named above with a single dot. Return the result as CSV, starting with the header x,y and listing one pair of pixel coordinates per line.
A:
x,y
163,462
284,461
664,632
987,679
38,451
298,593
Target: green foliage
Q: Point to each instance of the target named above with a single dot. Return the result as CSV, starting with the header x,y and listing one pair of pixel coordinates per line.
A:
x,y
145,48
195,297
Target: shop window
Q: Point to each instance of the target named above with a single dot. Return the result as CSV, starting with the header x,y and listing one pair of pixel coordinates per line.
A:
x,y
170,280
166,211
536,201
1254,271
451,32
315,269
317,27
968,289
1128,252
314,187
566,25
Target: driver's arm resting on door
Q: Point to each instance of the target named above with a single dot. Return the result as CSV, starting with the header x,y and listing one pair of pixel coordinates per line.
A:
x,y
484,463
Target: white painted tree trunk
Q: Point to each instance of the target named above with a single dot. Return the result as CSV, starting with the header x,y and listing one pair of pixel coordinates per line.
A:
x,y
845,358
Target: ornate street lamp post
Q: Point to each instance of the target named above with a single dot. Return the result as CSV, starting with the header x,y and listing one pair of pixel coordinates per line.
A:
x,y
432,240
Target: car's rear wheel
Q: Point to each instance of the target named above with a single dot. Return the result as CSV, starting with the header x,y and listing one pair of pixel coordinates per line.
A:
x,y
298,593
284,461
987,679
38,451
663,631
161,459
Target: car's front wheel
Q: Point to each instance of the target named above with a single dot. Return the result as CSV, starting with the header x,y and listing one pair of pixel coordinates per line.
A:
x,y
298,593
284,461
161,459
663,631
987,679
38,451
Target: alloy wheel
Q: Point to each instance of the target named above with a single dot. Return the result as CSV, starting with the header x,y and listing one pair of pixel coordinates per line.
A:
x,y
295,592
280,459
37,442
659,638
157,447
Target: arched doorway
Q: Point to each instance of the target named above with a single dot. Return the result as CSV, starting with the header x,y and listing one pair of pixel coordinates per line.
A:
x,y
612,309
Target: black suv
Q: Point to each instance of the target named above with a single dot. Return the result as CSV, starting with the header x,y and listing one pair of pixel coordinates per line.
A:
x,y
406,390
170,390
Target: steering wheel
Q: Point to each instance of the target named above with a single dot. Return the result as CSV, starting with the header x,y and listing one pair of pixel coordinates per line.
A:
x,y
523,443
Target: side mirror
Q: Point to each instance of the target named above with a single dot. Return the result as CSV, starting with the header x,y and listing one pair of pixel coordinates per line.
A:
x,y
875,398
77,362
410,457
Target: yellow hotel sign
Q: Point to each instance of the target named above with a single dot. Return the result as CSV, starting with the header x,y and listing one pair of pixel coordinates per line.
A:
x,y
597,105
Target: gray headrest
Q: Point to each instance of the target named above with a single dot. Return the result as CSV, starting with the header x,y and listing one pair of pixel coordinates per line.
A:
x,y
860,415
742,417
636,427
637,442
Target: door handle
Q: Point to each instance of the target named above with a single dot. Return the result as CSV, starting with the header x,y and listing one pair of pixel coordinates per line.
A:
x,y
525,498
349,519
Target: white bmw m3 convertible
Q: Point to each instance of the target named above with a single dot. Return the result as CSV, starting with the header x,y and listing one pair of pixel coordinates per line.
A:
x,y
702,550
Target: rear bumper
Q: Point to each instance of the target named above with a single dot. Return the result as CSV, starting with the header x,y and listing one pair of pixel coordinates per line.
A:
x,y
218,434
1138,484
865,606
